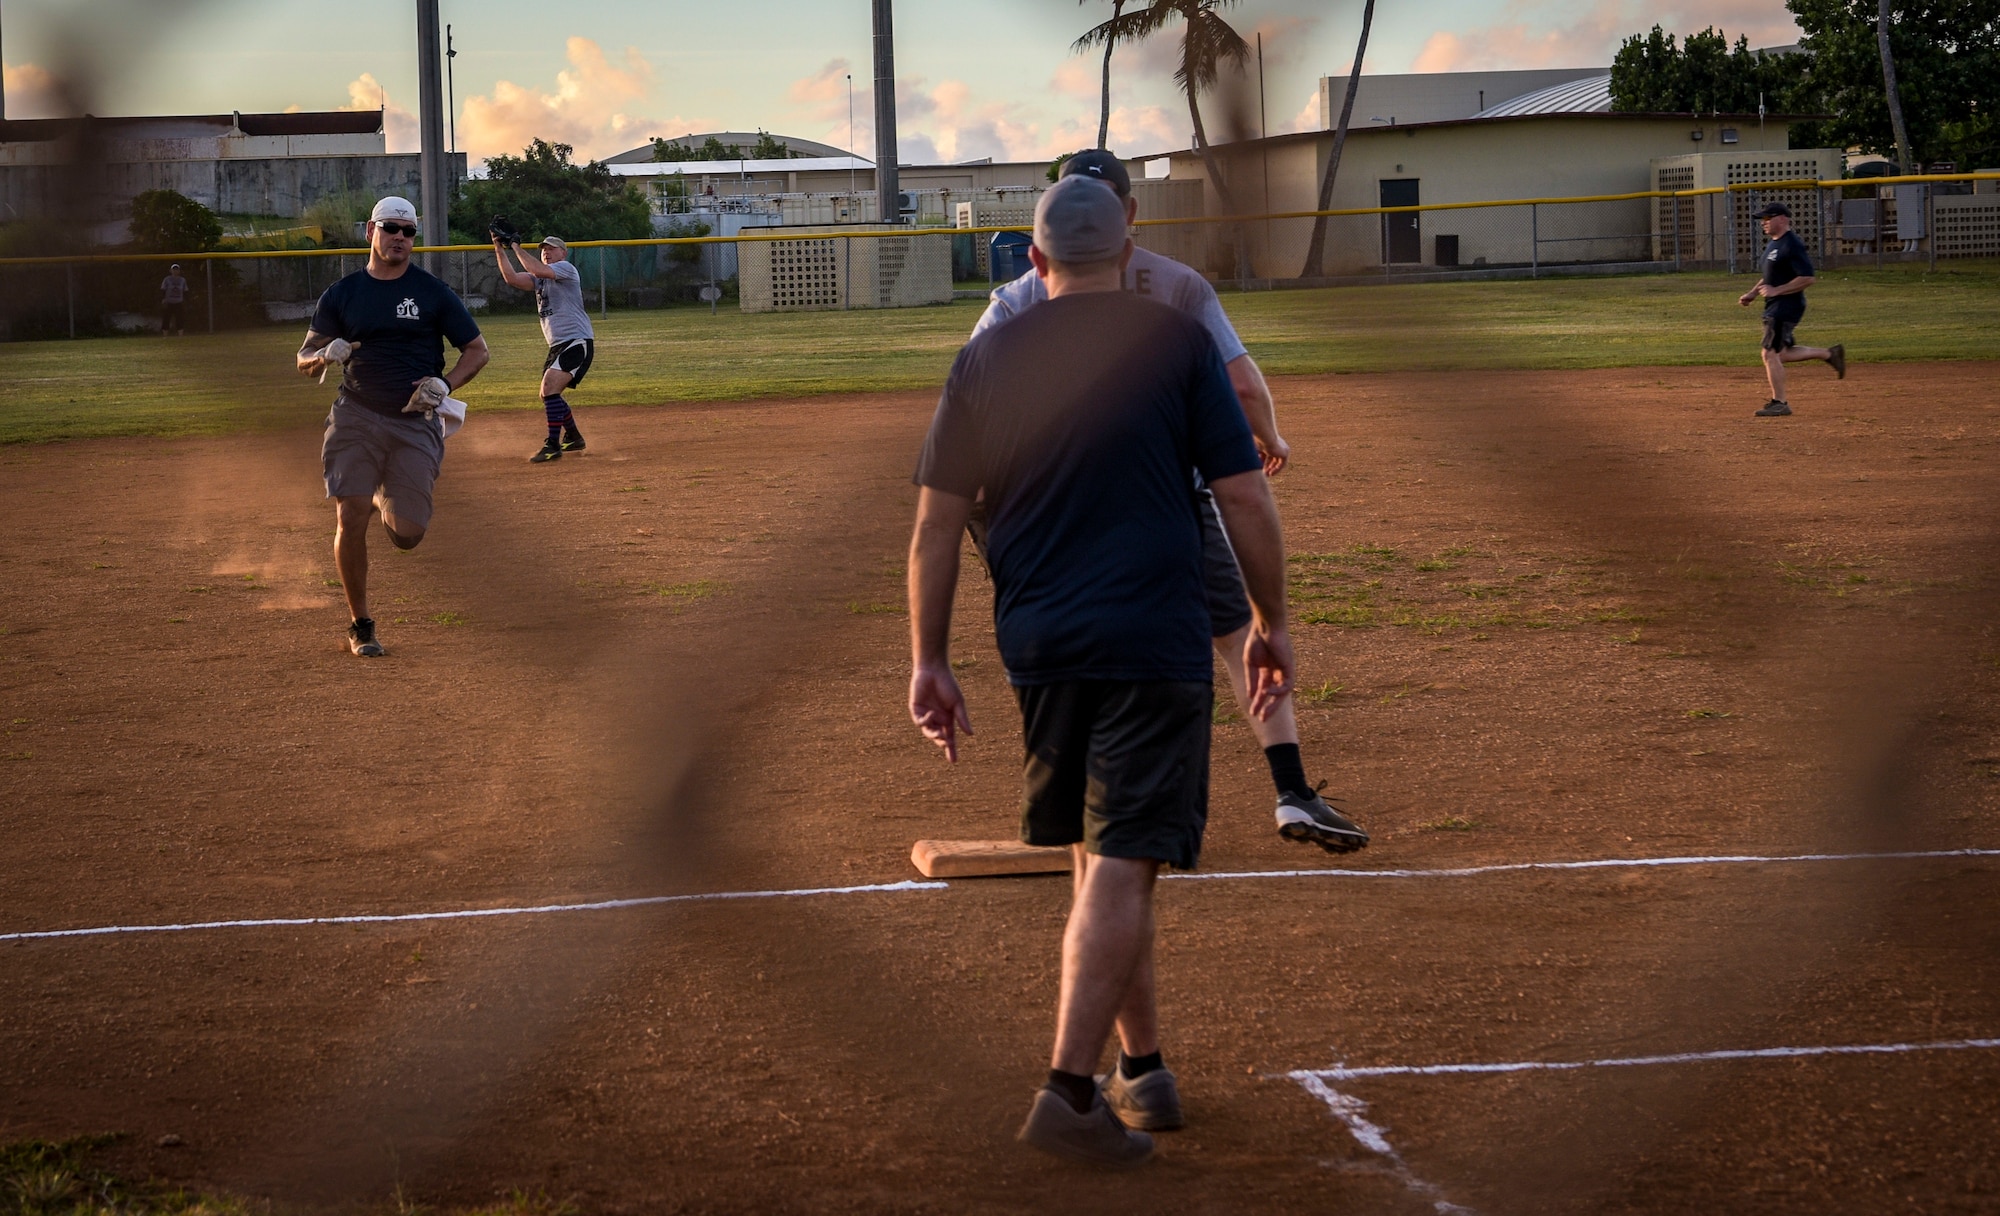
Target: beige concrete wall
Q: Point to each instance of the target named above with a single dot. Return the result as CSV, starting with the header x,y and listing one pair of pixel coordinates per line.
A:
x,y
1538,157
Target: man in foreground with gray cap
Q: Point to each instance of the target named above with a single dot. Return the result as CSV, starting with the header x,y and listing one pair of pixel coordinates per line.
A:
x,y
385,327
1302,814
1083,423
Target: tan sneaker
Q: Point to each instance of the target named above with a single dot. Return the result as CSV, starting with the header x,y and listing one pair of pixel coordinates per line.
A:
x,y
1096,1138
1150,1102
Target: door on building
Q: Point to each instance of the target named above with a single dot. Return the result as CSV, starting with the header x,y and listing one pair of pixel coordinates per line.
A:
x,y
1402,232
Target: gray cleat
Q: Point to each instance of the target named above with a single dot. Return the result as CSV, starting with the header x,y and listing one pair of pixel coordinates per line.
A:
x,y
1095,1138
1312,821
1150,1102
361,639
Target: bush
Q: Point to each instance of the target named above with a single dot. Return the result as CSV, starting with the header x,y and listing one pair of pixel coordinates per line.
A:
x,y
164,221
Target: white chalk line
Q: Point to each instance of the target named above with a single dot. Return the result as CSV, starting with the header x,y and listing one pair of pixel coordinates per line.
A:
x,y
473,913
1608,863
1344,1073
913,885
1351,1111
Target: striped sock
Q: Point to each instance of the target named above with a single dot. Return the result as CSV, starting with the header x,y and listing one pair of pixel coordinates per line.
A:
x,y
557,412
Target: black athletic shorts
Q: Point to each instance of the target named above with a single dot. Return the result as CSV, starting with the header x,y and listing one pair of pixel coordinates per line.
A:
x,y
1778,334
1120,766
573,356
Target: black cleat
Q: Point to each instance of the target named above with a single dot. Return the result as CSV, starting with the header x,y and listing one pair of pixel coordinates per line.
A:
x,y
572,440
1837,356
1775,408
1311,820
550,450
361,639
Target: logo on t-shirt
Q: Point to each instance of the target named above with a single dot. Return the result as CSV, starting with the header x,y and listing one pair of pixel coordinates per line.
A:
x,y
407,310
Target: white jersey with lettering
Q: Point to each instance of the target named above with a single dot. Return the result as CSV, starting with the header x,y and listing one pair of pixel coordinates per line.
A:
x,y
1147,274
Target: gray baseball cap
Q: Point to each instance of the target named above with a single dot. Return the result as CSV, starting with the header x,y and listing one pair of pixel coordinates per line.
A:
x,y
1080,219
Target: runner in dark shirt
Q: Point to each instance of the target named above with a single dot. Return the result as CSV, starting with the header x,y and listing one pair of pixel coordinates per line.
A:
x,y
385,327
1787,272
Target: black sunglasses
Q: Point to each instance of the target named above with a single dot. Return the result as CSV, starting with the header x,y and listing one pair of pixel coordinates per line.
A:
x,y
408,230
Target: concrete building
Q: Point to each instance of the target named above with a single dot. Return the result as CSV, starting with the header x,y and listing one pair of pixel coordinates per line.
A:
x,y
1558,141
252,164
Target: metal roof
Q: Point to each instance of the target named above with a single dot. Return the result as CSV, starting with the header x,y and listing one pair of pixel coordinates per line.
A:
x,y
1591,95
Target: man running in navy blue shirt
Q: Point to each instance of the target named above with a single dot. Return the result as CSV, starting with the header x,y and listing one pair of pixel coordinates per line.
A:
x,y
1787,274
385,326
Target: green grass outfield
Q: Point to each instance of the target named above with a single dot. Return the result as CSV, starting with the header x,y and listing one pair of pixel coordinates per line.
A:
x,y
230,382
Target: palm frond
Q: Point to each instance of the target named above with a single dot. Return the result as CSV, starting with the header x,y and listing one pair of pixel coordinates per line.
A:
x,y
1126,28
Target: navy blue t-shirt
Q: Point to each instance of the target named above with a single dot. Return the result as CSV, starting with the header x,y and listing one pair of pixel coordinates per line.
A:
x,y
399,327
1084,420
1784,260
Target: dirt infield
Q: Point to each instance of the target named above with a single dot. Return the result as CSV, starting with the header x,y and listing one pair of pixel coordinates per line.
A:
x,y
1542,617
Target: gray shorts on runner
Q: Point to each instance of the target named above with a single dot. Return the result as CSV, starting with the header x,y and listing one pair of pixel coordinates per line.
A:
x,y
399,454
1221,580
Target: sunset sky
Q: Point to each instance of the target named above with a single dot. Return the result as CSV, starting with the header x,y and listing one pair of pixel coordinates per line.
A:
x,y
974,77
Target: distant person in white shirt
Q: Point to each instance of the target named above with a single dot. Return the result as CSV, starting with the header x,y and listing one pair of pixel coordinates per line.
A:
x,y
558,289
173,298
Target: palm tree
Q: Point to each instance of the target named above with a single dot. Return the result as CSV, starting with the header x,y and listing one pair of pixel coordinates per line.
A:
x,y
1123,27
1207,43
1316,251
1895,99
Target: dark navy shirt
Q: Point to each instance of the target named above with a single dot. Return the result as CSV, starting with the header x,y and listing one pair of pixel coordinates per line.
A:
x,y
1784,260
1084,420
399,327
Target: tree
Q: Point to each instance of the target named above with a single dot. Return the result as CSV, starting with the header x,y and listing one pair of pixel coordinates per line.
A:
x,y
1316,250
542,191
164,221
1889,92
1123,27
1946,57
770,147
1704,75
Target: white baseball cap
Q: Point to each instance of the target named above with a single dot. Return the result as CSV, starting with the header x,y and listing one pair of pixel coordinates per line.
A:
x,y
394,207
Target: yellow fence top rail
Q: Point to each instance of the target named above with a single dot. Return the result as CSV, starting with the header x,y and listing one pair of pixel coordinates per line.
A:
x,y
769,235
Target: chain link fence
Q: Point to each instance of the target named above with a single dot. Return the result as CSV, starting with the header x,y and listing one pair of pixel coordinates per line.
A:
x,y
1843,223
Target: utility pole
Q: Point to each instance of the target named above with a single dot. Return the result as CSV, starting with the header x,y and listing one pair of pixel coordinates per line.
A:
x,y
888,190
450,89
3,78
434,163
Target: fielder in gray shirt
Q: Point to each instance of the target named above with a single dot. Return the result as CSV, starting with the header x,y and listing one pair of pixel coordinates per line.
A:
x,y
558,289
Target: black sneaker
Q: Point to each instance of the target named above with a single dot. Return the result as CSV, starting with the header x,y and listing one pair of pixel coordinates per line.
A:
x,y
1837,356
1311,820
1775,408
361,639
572,440
552,449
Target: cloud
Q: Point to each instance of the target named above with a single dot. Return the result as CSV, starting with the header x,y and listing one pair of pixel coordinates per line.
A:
x,y
33,92
1307,119
399,125
1519,40
594,107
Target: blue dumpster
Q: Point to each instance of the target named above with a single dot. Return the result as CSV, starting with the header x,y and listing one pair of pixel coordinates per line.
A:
x,y
1007,254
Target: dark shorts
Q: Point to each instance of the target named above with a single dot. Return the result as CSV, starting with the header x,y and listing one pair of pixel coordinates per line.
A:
x,y
1222,582
1778,334
399,454
573,356
1121,767
170,317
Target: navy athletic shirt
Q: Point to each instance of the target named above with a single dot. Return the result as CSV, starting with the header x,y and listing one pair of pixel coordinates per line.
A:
x,y
1784,260
1083,420
399,327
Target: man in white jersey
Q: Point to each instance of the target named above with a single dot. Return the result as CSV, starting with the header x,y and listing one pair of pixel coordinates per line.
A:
x,y
558,289
1302,814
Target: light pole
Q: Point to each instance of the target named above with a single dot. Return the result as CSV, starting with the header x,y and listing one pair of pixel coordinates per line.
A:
x,y
433,162
889,196
850,139
451,91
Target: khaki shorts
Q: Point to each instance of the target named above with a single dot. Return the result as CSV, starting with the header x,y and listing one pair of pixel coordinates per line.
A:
x,y
398,454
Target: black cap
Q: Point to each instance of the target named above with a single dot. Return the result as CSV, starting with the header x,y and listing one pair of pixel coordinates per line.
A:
x,y
1770,209
1097,163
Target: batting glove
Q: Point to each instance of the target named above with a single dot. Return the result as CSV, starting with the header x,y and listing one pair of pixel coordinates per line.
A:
x,y
431,392
335,353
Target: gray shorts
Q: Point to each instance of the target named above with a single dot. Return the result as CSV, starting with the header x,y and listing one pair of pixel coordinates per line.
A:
x,y
1222,581
398,454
